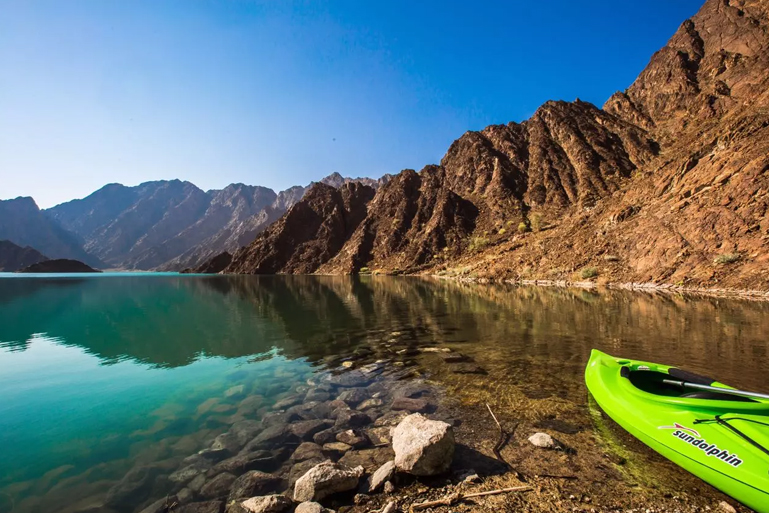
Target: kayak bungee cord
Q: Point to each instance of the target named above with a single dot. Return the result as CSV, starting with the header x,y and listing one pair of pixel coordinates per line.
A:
x,y
723,422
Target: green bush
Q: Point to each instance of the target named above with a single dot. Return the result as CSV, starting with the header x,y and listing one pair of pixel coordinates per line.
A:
x,y
536,222
589,272
502,231
364,270
523,227
727,258
478,243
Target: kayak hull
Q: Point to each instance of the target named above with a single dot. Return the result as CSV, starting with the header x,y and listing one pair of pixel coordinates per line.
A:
x,y
684,430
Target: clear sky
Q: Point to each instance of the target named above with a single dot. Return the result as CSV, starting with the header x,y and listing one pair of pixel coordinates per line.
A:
x,y
279,93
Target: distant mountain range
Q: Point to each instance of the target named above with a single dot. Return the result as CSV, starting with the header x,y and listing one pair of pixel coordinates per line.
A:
x,y
160,225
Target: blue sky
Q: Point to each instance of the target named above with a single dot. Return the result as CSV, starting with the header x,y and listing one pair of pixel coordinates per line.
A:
x,y
281,93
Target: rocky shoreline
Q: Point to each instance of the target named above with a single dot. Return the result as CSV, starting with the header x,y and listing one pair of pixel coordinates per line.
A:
x,y
378,437
760,295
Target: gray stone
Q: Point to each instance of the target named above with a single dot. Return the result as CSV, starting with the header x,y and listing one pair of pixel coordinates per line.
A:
x,y
389,487
185,496
160,506
245,430
263,460
250,404
133,489
316,394
369,459
306,429
380,435
353,438
312,507
287,402
351,379
392,418
326,436
348,419
201,507
467,368
307,451
383,474
267,504
300,469
227,442
544,441
423,447
188,473
273,436
235,391
370,403
196,484
218,487
456,358
353,396
253,483
326,479
409,404
336,449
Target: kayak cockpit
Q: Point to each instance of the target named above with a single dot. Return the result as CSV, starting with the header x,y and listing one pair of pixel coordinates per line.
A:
x,y
654,382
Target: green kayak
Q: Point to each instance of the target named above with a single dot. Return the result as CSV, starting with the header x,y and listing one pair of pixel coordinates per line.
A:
x,y
721,438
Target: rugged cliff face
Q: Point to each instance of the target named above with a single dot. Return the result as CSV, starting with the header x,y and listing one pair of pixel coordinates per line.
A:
x,y
310,233
667,183
13,257
23,223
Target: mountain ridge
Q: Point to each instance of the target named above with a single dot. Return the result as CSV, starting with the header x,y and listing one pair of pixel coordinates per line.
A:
x,y
666,183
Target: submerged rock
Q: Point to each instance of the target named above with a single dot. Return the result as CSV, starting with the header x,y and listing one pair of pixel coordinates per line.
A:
x,y
412,405
326,479
352,438
217,487
133,489
423,447
254,483
307,451
201,507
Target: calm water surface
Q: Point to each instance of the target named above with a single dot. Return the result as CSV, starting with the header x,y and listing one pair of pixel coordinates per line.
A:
x,y
100,375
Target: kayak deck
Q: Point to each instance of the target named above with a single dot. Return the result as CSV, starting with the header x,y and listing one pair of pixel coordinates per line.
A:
x,y
719,437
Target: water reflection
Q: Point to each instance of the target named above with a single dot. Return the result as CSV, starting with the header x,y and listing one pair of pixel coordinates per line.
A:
x,y
171,321
103,375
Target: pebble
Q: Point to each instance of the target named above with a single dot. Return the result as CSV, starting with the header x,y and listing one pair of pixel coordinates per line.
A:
x,y
726,507
544,441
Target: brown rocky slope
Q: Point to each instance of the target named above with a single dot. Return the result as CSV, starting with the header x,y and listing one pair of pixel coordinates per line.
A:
x,y
667,183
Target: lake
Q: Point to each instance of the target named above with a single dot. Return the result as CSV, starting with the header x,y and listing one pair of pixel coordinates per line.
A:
x,y
118,390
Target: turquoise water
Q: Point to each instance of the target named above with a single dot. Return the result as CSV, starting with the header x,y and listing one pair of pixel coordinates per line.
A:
x,y
103,373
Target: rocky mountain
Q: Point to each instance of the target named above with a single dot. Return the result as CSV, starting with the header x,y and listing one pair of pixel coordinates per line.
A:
x,y
23,223
13,257
171,225
667,183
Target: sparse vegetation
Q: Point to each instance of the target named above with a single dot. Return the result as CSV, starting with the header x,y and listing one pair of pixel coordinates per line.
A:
x,y
478,243
727,258
502,231
523,227
588,272
536,222
364,270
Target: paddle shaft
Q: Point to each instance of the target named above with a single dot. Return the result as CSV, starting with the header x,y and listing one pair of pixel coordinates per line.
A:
x,y
729,391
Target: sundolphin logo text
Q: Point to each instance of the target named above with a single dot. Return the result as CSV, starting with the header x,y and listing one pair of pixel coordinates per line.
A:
x,y
709,449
